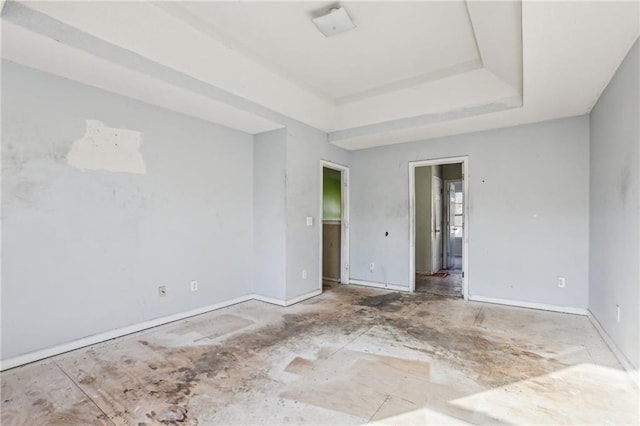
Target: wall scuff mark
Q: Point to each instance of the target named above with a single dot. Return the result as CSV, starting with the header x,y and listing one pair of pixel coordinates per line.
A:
x,y
107,148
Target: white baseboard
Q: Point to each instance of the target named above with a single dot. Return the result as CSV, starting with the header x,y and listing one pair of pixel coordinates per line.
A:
x,y
624,361
118,332
287,302
379,285
272,300
123,331
531,305
303,297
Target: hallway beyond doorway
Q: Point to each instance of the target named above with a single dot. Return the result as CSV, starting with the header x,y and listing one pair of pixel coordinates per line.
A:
x,y
438,228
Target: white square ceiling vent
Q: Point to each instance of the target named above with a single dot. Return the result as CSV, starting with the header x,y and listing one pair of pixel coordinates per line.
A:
x,y
336,21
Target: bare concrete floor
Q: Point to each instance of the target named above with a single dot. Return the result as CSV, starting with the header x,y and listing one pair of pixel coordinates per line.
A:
x,y
450,285
350,356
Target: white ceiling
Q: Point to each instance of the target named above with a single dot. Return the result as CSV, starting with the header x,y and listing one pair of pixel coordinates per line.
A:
x,y
389,46
409,71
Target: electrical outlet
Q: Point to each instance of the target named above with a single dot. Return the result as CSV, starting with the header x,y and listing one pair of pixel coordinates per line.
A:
x,y
162,291
372,266
561,282
304,274
194,285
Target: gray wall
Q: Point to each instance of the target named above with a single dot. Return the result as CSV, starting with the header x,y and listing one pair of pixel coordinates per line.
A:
x,y
529,210
85,251
614,274
306,146
288,165
270,226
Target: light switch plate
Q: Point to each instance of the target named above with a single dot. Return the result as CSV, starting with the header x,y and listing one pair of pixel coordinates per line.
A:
x,y
309,221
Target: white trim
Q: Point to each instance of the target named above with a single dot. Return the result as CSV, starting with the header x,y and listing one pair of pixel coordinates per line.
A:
x,y
123,331
302,297
465,228
118,332
288,302
412,218
412,227
624,361
379,285
530,305
344,231
272,300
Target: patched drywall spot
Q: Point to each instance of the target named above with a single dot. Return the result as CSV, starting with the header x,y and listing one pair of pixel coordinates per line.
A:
x,y
107,148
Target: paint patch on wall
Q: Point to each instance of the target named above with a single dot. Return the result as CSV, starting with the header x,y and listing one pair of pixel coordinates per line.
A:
x,y
107,148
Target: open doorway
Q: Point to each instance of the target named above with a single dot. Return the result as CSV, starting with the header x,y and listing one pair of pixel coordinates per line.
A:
x,y
438,216
334,217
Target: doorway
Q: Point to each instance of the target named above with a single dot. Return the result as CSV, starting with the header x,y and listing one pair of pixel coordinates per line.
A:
x,y
334,224
438,249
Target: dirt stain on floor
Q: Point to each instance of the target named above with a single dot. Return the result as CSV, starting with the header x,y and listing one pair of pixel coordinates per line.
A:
x,y
382,301
149,383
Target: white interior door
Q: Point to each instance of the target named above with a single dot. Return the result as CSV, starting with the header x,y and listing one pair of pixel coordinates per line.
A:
x,y
448,205
453,204
436,236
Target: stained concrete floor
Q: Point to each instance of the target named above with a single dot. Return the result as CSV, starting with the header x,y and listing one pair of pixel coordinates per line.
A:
x,y
450,285
350,356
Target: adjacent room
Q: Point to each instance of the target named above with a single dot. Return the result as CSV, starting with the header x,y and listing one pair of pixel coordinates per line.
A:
x,y
247,213
439,228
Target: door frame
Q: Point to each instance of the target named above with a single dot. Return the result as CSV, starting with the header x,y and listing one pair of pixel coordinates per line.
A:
x,y
344,221
464,160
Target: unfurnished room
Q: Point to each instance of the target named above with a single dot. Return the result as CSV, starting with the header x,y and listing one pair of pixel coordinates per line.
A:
x,y
320,213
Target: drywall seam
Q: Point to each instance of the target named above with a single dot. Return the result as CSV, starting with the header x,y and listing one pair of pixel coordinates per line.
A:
x,y
633,373
530,305
118,332
379,285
